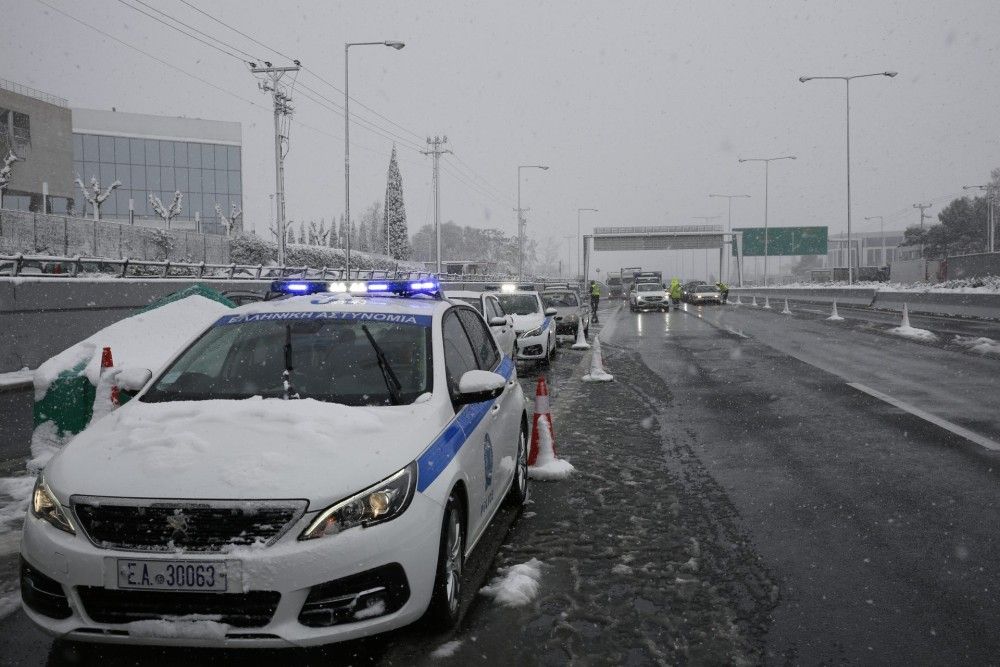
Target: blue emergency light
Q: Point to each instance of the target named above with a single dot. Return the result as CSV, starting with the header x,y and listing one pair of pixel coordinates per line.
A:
x,y
404,288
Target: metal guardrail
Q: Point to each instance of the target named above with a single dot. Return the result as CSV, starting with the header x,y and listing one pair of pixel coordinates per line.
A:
x,y
958,304
32,92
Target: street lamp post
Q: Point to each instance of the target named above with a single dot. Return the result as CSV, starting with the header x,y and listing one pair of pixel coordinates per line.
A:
x,y
729,220
520,218
767,164
990,200
847,82
347,143
881,231
579,244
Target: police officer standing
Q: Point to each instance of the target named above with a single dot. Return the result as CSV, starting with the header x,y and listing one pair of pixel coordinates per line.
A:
x,y
723,291
595,298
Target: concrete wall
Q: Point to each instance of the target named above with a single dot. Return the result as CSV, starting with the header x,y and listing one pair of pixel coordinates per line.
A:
x,y
974,266
36,233
49,158
16,404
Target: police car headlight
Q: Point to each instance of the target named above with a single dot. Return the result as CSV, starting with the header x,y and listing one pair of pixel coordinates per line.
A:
x,y
44,506
376,504
533,332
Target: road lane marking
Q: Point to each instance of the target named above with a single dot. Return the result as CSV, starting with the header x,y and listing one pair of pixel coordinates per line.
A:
x,y
980,440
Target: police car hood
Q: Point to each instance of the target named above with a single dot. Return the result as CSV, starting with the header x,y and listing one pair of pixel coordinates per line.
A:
x,y
524,323
253,448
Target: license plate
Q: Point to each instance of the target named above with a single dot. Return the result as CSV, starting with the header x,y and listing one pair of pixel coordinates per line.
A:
x,y
167,575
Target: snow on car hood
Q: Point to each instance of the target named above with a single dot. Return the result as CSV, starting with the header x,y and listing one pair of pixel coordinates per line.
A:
x,y
247,449
524,323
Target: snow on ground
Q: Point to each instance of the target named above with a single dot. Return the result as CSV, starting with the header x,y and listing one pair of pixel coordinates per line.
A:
x,y
14,494
982,345
447,649
914,333
985,285
146,340
517,585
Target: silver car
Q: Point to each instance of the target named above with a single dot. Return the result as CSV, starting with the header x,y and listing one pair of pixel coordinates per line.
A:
x,y
570,309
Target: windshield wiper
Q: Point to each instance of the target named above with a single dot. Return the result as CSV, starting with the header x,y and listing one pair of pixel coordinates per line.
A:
x,y
391,381
286,375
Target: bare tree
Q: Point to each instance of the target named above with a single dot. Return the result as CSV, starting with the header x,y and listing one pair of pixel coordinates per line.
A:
x,y
94,195
167,213
231,222
5,173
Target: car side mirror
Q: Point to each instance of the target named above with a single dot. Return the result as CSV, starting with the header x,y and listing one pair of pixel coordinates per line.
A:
x,y
478,386
498,321
133,379
551,311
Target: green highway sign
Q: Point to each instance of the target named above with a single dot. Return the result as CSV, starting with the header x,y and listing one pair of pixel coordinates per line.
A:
x,y
783,241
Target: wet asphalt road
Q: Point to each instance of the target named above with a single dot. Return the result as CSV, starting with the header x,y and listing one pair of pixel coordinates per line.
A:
x,y
735,502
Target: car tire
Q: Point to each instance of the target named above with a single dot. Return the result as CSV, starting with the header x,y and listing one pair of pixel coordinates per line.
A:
x,y
446,600
518,493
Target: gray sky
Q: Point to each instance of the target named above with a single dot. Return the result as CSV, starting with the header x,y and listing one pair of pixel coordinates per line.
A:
x,y
640,108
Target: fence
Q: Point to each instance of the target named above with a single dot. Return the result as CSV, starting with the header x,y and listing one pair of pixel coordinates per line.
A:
x,y
39,233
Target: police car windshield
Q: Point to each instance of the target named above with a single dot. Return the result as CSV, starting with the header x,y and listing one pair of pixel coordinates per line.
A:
x,y
648,287
332,361
560,299
520,304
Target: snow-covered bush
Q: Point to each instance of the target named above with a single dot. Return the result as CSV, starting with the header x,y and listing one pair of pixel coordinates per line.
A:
x,y
248,249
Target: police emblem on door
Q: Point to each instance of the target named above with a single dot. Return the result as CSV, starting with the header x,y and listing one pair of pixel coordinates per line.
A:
x,y
488,461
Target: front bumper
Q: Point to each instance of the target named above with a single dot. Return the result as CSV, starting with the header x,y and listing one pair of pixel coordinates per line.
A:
x,y
279,577
643,304
567,326
704,299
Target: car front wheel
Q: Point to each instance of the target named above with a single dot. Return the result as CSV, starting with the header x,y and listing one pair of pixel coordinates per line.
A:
x,y
519,487
443,612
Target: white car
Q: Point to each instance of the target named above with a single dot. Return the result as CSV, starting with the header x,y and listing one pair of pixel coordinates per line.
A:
x,y
310,469
500,323
648,296
533,322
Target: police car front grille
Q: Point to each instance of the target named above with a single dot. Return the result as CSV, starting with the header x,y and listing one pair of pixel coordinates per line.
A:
x,y
253,609
144,525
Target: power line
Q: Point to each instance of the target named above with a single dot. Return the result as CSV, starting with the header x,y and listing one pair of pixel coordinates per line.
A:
x,y
237,31
186,34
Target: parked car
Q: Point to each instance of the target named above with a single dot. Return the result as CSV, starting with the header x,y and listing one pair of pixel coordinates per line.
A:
x,y
570,309
533,322
648,296
489,306
705,294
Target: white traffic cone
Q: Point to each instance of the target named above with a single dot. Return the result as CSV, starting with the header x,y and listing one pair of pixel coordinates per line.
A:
x,y
597,372
739,301
834,317
906,318
754,302
786,311
767,302
581,338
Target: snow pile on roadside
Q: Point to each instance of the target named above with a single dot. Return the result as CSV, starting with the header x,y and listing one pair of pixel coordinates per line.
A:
x,y
547,467
14,495
182,627
146,340
9,603
982,345
447,649
15,377
984,285
913,333
517,585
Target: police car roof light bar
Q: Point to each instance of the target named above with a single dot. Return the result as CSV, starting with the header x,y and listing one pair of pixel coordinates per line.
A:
x,y
405,288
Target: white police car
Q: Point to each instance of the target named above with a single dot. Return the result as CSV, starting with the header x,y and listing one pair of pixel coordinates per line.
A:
x,y
310,469
533,322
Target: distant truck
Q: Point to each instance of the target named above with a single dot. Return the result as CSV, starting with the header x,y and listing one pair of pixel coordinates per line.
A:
x,y
648,277
615,286
628,278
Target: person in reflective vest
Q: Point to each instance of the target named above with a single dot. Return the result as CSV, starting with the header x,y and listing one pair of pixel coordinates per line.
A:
x,y
675,291
723,290
595,298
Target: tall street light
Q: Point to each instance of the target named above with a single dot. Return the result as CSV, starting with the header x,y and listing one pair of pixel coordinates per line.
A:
x,y
767,164
347,143
881,231
847,88
729,220
991,197
579,240
520,218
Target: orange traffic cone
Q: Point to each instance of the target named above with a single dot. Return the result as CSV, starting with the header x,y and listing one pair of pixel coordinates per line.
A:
x,y
106,397
542,461
541,409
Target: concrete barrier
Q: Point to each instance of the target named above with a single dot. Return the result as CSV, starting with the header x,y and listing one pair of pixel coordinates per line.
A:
x,y
859,296
16,401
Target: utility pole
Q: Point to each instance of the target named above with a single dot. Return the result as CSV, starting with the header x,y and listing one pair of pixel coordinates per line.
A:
x,y
729,226
437,152
704,219
282,107
520,217
922,207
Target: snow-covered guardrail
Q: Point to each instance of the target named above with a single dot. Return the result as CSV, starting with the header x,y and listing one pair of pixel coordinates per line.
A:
x,y
984,305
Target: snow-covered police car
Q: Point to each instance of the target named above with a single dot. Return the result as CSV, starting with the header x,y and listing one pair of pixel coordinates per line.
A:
x,y
311,468
533,322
